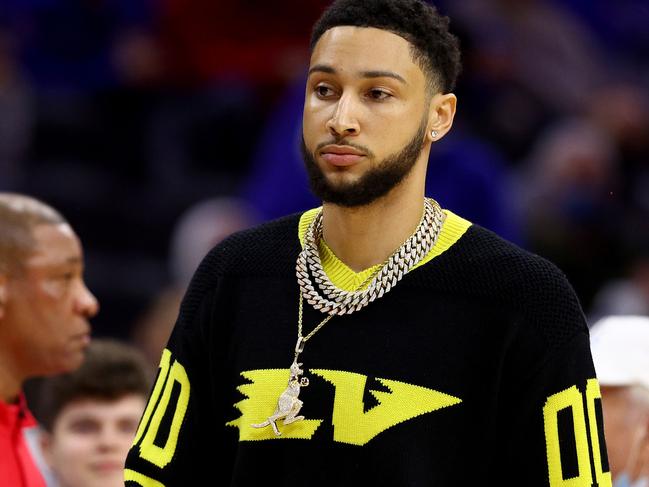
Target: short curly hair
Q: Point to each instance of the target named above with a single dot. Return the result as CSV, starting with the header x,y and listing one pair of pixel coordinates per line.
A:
x,y
434,48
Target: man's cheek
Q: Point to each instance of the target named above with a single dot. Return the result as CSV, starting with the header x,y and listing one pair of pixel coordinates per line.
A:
x,y
54,288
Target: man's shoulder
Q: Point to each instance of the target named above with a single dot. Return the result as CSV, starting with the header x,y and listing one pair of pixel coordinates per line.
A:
x,y
484,256
264,248
269,249
488,267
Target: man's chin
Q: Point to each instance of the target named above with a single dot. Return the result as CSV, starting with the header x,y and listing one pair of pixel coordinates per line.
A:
x,y
347,199
342,184
71,361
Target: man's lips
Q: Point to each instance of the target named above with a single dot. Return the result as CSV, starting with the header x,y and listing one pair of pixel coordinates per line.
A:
x,y
107,466
83,337
341,155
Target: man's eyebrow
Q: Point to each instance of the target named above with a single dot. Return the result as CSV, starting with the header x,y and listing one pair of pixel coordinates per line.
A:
x,y
70,261
323,68
383,74
67,261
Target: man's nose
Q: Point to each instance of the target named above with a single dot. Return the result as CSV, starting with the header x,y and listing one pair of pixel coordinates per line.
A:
x,y
86,303
344,120
109,439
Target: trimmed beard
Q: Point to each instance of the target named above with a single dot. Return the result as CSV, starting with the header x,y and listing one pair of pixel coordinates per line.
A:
x,y
374,184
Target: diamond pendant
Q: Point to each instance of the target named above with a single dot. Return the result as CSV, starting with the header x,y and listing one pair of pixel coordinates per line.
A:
x,y
288,404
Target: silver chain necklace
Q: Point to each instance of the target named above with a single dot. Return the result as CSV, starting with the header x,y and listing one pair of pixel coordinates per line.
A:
x,y
337,301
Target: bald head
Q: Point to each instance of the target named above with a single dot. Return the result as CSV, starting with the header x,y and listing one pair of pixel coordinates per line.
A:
x,y
19,215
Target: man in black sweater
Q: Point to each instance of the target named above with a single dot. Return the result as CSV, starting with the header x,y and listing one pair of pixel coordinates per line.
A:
x,y
378,340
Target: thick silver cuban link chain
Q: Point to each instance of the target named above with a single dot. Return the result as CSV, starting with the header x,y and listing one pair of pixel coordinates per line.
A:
x,y
336,301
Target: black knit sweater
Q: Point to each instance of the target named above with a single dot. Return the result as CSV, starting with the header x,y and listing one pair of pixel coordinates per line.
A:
x,y
474,370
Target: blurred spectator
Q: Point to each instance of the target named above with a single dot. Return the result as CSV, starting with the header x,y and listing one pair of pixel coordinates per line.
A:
x,y
198,230
566,198
91,415
247,41
628,296
527,62
44,311
620,348
198,143
621,27
567,60
69,47
621,110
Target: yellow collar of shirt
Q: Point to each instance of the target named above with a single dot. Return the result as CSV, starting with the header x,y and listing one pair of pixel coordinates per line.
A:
x,y
345,278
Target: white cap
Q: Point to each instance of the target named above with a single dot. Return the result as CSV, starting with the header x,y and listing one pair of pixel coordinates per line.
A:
x,y
620,348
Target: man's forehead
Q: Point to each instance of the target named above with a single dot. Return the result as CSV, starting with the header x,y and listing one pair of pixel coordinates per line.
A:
x,y
122,407
54,245
364,49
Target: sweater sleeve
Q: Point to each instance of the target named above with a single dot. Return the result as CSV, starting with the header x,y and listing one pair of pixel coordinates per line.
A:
x,y
180,424
554,423
551,412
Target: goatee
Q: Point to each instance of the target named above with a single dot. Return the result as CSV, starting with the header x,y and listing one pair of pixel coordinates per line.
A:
x,y
374,184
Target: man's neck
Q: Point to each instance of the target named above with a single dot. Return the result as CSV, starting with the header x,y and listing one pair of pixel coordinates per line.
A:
x,y
365,236
10,383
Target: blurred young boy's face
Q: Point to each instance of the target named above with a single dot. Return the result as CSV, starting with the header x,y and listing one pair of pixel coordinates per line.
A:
x,y
90,439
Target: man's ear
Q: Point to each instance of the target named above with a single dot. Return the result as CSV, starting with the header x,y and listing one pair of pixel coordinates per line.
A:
x,y
440,115
3,294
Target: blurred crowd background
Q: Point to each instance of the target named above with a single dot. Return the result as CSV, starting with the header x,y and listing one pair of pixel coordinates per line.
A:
x,y
157,127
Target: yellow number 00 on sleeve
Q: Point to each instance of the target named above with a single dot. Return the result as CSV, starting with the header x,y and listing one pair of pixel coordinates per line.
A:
x,y
572,398
168,376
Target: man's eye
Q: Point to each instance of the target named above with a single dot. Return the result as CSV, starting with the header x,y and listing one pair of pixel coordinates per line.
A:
x,y
84,427
128,426
323,91
378,95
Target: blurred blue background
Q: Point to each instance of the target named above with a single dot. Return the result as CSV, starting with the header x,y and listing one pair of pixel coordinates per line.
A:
x,y
159,126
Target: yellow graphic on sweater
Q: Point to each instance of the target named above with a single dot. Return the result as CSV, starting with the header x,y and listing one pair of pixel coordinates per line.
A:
x,y
266,387
405,401
172,373
351,424
139,479
571,400
592,393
